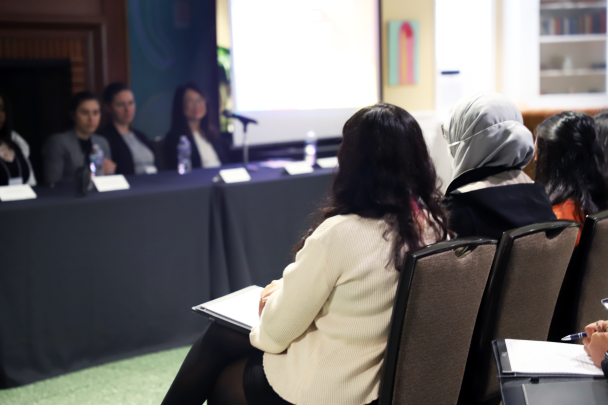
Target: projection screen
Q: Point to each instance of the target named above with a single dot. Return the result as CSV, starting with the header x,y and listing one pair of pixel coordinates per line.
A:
x,y
301,65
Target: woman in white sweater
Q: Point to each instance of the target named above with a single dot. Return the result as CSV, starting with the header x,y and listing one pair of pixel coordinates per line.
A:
x,y
324,325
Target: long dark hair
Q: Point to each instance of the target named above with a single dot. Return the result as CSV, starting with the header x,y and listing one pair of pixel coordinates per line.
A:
x,y
570,162
7,129
601,123
385,171
179,122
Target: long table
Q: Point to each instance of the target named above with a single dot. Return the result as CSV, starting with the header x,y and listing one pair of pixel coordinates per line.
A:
x,y
87,280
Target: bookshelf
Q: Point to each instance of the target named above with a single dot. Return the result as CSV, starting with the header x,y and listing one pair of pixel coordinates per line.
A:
x,y
572,47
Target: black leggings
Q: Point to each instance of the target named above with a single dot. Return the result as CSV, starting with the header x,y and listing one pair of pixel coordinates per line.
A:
x,y
223,368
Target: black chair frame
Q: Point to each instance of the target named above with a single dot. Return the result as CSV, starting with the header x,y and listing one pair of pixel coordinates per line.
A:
x,y
391,355
479,355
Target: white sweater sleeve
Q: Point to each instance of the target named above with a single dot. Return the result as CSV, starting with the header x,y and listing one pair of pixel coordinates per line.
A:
x,y
290,310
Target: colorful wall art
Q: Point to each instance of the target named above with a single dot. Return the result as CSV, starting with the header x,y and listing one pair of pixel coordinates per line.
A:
x,y
403,50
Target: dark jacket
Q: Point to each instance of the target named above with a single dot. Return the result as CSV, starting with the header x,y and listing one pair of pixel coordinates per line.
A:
x,y
491,211
170,146
19,166
121,154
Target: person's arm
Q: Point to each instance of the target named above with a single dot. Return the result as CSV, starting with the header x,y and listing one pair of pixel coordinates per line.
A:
x,y
291,309
53,160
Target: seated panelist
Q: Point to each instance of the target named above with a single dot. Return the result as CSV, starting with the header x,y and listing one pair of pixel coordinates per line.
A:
x,y
489,193
15,166
131,149
596,344
190,117
66,152
324,326
570,165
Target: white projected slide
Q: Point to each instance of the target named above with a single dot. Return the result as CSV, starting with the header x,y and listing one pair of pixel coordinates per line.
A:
x,y
300,65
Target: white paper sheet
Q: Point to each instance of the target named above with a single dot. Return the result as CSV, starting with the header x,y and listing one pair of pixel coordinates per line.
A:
x,y
527,356
241,306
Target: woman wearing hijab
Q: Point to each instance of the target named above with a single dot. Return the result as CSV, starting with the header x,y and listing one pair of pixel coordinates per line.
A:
x,y
489,193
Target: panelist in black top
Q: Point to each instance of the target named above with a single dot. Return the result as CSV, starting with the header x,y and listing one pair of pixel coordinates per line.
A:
x,y
190,118
15,167
489,193
131,148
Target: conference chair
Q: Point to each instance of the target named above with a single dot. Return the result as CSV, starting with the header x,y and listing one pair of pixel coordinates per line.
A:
x,y
519,299
438,296
592,266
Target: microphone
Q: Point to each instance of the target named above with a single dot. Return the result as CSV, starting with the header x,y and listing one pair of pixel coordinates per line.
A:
x,y
244,120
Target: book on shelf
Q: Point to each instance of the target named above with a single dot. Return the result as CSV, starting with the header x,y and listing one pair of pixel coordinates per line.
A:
x,y
589,23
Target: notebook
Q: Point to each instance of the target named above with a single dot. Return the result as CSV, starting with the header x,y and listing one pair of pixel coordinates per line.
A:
x,y
238,310
546,358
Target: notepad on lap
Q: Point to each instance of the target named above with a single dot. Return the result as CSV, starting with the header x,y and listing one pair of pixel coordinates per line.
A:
x,y
533,357
238,310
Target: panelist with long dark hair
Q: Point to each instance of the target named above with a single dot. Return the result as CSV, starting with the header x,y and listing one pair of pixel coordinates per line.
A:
x,y
324,326
190,118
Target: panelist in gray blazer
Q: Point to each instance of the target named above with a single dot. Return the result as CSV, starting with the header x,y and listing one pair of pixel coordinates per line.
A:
x,y
64,153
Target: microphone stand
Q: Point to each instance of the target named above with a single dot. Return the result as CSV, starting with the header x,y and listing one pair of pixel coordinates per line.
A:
x,y
246,164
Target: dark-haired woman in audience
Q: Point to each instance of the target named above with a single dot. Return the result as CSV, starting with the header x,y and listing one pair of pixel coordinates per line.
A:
x,y
131,149
15,167
323,327
570,164
64,153
489,193
601,124
190,117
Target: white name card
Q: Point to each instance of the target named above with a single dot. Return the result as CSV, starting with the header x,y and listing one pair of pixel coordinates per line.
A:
x,y
111,183
234,175
16,193
298,168
328,163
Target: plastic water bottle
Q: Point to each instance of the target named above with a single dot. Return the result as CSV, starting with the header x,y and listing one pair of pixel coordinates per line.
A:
x,y
310,148
96,161
184,153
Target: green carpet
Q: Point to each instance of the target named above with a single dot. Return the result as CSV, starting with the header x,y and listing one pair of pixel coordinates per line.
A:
x,y
141,380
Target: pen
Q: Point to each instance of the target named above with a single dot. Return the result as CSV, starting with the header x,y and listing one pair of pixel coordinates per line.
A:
x,y
575,336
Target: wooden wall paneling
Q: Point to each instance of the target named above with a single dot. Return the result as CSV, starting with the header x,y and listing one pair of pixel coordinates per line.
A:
x,y
105,19
117,40
52,7
80,44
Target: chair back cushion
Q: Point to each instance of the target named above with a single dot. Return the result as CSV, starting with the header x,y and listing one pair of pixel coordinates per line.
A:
x,y
444,296
594,283
533,274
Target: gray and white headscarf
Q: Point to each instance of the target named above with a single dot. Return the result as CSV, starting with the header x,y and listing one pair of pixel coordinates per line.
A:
x,y
487,130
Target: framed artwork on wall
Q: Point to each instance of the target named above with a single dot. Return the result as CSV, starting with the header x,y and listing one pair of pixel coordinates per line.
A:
x,y
403,52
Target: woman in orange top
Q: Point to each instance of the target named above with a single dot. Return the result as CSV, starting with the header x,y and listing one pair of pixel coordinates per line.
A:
x,y
570,164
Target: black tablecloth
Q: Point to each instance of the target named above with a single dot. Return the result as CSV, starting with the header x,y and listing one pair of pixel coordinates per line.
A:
x,y
88,280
